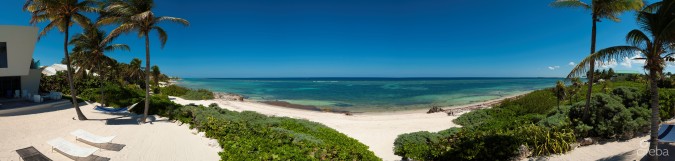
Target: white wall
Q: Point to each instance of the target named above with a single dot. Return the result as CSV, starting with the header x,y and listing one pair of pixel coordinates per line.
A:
x,y
20,46
31,82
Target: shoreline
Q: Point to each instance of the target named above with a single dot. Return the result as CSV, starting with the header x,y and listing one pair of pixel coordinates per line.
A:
x,y
453,108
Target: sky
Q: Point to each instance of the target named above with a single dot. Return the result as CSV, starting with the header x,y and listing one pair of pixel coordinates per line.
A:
x,y
361,38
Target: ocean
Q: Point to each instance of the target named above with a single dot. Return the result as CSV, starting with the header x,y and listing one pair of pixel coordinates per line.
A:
x,y
372,94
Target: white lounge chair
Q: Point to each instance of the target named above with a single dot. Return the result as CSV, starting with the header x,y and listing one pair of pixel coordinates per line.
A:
x,y
70,148
84,135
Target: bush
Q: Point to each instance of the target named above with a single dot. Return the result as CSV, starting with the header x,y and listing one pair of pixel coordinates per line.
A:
x,y
609,118
631,96
421,145
252,136
159,105
201,94
539,102
174,90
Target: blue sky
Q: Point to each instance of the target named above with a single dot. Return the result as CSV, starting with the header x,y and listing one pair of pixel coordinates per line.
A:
x,y
361,38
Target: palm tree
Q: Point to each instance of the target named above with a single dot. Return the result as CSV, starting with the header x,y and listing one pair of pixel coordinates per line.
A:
x,y
607,9
137,16
155,74
90,48
560,91
654,44
133,71
61,14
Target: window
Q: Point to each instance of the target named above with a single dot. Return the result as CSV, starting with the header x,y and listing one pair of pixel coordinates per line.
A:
x,y
3,54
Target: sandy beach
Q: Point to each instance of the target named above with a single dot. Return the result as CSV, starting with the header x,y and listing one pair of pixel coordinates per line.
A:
x,y
376,130
160,140
163,140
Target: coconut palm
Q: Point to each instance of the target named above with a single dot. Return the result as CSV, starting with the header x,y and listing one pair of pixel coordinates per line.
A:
x,y
600,9
133,71
156,74
653,43
61,14
560,91
89,52
137,16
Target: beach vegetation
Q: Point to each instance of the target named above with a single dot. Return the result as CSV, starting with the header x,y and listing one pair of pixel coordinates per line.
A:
x,y
252,136
609,118
604,9
187,93
653,43
61,15
174,90
422,145
138,16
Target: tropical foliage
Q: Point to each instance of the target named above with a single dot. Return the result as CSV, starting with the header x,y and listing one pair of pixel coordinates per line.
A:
x,y
654,42
600,9
137,16
61,14
252,136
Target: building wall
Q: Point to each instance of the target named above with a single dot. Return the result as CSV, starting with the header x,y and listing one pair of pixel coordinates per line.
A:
x,y
31,82
20,46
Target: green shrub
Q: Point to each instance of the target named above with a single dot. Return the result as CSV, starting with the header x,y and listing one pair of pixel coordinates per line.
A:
x,y
609,118
421,145
159,105
174,90
539,102
252,136
201,94
630,96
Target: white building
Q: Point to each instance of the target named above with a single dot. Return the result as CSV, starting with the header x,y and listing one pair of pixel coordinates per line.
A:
x,y
17,71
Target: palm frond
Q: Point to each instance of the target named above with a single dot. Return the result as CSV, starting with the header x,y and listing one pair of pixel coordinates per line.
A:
x,y
570,3
173,19
117,47
638,38
162,35
603,56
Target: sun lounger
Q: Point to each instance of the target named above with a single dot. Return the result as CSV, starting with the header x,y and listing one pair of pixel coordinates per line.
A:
x,y
70,148
31,154
667,133
84,135
110,110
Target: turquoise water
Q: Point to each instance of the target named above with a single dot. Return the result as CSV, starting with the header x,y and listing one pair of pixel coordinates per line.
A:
x,y
372,94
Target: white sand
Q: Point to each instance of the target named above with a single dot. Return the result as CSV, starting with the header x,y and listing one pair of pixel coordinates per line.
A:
x,y
159,141
376,130
633,149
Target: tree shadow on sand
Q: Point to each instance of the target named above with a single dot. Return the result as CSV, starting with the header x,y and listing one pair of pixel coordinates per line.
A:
x,y
105,146
667,153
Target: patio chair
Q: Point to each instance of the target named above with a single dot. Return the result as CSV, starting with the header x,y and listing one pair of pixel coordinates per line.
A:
x,y
31,154
84,135
70,148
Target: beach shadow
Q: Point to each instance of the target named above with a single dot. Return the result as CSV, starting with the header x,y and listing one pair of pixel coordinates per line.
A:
x,y
30,108
621,157
104,146
667,150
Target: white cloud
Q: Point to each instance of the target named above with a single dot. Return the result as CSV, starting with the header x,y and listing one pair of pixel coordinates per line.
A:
x,y
553,67
628,62
572,64
609,64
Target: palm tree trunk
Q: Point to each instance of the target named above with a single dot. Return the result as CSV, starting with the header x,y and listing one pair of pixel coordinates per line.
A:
x,y
591,69
654,105
147,77
100,76
80,115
